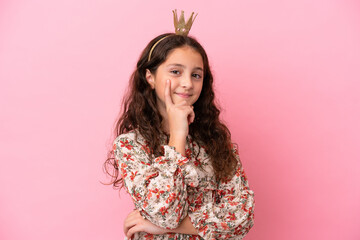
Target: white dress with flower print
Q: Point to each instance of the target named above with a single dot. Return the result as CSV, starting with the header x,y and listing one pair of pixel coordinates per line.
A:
x,y
170,187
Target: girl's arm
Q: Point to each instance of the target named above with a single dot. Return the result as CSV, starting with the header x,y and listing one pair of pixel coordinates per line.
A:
x,y
157,186
186,227
134,223
229,215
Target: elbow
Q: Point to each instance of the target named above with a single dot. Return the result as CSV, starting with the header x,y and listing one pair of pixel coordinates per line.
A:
x,y
249,207
247,220
246,225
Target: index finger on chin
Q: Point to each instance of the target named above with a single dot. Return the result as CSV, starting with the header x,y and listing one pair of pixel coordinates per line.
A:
x,y
168,101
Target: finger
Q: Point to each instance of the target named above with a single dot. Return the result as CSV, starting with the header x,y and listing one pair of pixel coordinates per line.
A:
x,y
168,101
129,223
191,117
131,220
133,230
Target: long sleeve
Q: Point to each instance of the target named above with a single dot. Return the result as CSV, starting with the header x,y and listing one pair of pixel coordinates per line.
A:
x,y
229,217
157,186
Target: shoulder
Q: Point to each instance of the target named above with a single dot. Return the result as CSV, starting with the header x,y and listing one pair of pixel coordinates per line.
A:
x,y
128,140
131,135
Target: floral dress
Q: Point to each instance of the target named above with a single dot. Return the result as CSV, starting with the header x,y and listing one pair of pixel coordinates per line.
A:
x,y
172,186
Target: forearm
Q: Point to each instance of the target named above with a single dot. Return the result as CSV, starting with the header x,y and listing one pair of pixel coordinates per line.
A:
x,y
178,143
185,227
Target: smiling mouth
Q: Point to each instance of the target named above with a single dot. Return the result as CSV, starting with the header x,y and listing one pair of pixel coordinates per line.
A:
x,y
183,95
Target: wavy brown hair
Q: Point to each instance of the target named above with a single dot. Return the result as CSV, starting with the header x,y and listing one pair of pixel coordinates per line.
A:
x,y
140,112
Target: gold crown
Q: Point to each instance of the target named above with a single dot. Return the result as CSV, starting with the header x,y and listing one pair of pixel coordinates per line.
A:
x,y
182,28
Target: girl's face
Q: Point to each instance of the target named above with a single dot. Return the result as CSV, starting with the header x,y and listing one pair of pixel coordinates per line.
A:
x,y
184,67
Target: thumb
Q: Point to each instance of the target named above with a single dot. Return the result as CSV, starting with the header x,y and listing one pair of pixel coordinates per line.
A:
x,y
191,116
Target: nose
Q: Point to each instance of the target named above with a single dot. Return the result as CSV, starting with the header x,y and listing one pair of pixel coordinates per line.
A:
x,y
186,81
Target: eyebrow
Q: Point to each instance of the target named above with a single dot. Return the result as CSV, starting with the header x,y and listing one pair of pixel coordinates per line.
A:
x,y
182,66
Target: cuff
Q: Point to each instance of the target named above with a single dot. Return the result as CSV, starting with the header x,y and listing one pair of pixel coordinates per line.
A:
x,y
173,160
198,221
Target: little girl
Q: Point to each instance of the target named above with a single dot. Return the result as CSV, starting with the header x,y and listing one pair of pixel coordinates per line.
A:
x,y
174,155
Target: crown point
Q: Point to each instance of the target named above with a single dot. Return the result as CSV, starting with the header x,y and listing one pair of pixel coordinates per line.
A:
x,y
182,28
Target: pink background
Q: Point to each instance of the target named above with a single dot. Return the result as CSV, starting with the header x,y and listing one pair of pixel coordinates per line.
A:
x,y
287,76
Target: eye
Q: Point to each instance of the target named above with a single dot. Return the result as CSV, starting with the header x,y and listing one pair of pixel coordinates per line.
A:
x,y
197,76
175,72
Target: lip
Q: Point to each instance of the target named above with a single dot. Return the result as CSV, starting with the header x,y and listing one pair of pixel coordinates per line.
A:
x,y
184,95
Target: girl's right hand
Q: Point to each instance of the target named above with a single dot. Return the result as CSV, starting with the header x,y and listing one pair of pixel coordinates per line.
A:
x,y
180,115
134,223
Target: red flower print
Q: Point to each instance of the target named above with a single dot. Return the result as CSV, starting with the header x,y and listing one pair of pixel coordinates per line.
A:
x,y
128,157
225,226
231,216
203,229
191,184
157,192
227,236
193,237
137,196
188,153
197,162
178,208
238,230
149,195
145,148
198,202
182,161
123,170
163,210
238,172
171,197
230,198
160,160
244,197
151,176
244,208
142,162
126,144
149,236
236,151
133,174
233,203
177,172
231,191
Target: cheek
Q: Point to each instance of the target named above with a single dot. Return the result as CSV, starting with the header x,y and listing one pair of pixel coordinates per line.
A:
x,y
159,93
199,87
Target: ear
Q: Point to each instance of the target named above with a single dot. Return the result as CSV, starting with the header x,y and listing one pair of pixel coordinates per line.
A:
x,y
150,78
